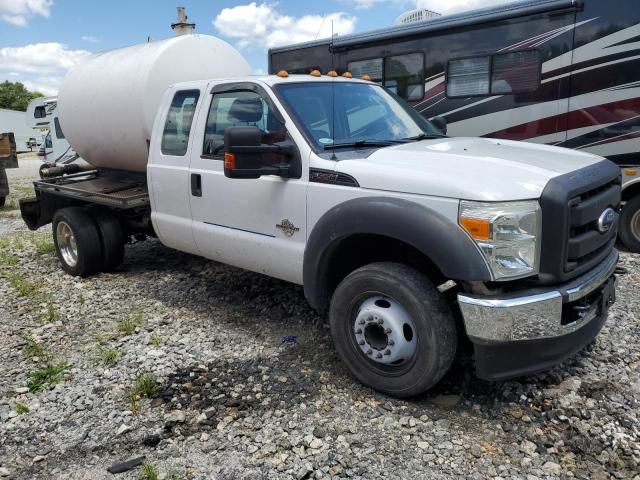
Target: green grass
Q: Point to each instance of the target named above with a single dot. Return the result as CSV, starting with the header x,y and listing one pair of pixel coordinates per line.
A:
x,y
34,349
149,472
42,243
127,326
8,259
108,356
16,192
144,385
24,287
52,314
81,299
50,375
156,340
21,408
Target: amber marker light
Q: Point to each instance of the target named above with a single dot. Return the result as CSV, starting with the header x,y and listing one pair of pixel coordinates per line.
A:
x,y
347,75
315,73
631,172
332,73
229,161
283,74
366,78
477,228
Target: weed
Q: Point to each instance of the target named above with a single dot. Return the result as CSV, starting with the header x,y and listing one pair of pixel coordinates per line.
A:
x,y
149,472
108,356
156,341
127,326
52,314
24,287
21,408
8,259
81,299
144,385
43,244
34,349
50,375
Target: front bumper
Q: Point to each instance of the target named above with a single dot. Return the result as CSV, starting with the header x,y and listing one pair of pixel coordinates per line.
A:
x,y
528,331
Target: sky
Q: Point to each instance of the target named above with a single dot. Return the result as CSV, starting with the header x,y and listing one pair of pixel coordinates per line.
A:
x,y
41,39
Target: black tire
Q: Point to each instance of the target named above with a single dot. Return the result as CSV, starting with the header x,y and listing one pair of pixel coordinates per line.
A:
x,y
88,251
111,238
630,225
3,200
434,323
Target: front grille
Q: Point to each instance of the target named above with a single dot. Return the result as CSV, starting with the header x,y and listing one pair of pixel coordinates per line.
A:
x,y
571,206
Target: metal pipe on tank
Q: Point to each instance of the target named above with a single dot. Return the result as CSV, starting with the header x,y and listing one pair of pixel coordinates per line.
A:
x,y
182,27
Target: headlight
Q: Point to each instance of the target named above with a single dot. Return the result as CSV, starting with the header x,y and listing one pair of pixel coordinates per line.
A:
x,y
507,233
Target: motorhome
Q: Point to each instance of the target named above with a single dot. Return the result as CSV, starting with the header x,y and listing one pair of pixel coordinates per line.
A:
x,y
558,72
42,118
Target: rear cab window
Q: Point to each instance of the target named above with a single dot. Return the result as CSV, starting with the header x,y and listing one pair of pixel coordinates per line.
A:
x,y
177,127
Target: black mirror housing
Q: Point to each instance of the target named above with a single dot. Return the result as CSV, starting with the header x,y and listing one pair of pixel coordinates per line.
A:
x,y
440,123
245,154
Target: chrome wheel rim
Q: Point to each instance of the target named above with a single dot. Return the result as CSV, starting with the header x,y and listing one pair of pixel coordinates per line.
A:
x,y
635,225
67,245
385,332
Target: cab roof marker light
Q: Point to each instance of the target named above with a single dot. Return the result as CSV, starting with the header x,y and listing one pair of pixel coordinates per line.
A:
x,y
366,78
347,75
283,74
332,74
315,73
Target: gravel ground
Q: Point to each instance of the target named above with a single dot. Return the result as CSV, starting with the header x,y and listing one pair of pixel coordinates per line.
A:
x,y
212,372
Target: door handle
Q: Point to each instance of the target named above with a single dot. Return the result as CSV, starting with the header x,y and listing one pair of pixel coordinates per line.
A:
x,y
196,185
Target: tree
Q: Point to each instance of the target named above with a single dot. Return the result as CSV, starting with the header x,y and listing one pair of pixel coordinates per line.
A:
x,y
15,96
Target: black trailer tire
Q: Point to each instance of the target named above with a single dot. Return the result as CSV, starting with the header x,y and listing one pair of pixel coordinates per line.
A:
x,y
2,201
630,225
77,241
409,323
111,237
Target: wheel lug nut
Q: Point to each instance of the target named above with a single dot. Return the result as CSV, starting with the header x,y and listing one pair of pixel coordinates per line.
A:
x,y
369,352
361,322
359,331
387,331
392,343
361,342
379,355
387,352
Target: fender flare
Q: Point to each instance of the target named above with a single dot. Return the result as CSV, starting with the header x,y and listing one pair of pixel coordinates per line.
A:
x,y
431,233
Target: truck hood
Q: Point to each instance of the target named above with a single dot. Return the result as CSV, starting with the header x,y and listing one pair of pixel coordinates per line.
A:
x,y
465,168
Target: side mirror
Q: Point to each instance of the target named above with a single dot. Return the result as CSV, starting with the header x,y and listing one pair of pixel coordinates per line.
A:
x,y
246,157
440,123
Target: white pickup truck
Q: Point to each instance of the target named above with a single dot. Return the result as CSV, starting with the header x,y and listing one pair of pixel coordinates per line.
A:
x,y
409,239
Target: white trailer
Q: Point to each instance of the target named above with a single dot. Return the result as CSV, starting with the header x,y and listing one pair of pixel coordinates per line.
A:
x,y
16,122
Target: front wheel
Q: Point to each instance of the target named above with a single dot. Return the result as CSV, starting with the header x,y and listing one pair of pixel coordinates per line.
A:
x,y
393,329
630,225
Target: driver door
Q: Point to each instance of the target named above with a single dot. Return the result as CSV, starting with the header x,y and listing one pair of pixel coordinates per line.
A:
x,y
256,224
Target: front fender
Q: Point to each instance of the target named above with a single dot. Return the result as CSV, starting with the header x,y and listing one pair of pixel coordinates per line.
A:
x,y
426,230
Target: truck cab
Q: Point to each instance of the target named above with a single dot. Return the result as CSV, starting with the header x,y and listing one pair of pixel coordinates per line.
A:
x,y
406,237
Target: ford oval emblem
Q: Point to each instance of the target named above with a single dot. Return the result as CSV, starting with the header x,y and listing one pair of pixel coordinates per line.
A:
x,y
606,220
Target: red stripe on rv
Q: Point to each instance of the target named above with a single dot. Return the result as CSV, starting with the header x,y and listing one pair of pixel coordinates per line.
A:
x,y
598,115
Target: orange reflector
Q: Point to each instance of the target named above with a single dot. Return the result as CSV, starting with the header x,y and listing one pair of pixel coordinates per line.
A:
x,y
631,172
347,75
332,73
229,161
283,74
315,73
366,78
478,229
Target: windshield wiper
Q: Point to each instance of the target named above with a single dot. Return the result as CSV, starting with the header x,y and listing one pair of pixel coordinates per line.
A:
x,y
425,136
363,143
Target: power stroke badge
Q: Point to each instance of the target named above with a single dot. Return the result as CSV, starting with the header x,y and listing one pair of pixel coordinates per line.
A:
x,y
288,228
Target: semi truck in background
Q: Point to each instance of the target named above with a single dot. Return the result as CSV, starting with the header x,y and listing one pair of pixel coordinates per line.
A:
x,y
558,72
407,239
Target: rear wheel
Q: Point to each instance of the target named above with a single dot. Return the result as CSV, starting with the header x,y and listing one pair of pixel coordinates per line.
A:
x,y
630,225
77,242
111,236
393,329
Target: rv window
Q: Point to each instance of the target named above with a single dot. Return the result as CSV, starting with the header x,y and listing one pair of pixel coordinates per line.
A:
x,y
56,124
39,112
468,77
404,75
175,138
515,72
372,67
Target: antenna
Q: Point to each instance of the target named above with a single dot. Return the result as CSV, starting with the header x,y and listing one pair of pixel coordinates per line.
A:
x,y
333,96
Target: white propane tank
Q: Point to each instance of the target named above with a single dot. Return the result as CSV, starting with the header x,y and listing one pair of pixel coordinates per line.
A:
x,y
107,104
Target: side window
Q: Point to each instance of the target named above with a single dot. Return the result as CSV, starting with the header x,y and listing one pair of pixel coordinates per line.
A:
x,y
372,67
239,108
404,75
177,127
468,77
500,74
515,72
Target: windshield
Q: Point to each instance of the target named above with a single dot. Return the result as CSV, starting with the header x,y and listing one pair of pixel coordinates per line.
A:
x,y
354,114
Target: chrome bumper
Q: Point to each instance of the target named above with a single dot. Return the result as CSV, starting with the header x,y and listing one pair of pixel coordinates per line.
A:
x,y
534,314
